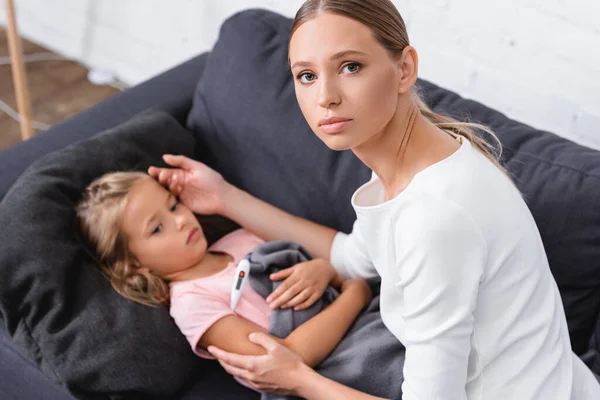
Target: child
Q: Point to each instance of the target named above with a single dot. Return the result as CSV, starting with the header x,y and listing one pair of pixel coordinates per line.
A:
x,y
153,251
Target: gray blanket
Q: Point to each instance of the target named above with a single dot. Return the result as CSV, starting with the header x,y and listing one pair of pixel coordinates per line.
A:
x,y
369,358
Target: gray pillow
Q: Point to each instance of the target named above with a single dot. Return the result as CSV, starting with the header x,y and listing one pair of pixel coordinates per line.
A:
x,y
54,301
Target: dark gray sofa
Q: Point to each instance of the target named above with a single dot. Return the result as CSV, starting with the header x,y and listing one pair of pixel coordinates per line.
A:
x,y
560,180
20,379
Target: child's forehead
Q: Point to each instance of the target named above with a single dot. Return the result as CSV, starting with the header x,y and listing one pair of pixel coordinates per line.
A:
x,y
146,196
148,184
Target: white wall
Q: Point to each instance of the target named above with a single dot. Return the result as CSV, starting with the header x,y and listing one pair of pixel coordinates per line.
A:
x,y
536,60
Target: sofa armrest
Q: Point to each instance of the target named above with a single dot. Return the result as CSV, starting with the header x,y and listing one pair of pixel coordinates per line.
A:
x,y
171,91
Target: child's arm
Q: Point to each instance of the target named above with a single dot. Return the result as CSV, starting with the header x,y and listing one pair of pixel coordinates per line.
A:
x,y
303,284
313,340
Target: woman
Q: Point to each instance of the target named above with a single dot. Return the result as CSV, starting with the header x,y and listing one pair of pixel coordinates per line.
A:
x,y
465,282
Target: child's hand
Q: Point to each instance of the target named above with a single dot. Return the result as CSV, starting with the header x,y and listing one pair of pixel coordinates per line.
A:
x,y
361,288
198,186
304,284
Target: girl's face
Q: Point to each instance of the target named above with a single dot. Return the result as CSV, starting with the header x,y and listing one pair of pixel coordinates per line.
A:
x,y
163,234
341,71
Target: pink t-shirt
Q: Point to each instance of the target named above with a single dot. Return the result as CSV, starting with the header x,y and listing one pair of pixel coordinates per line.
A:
x,y
197,304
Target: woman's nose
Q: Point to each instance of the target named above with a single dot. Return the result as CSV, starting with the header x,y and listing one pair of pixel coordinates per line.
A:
x,y
329,94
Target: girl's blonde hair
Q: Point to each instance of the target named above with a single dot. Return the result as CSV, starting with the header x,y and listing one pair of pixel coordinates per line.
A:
x,y
99,214
387,25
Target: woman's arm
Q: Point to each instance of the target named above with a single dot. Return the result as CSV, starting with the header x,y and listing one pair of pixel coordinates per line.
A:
x,y
318,387
313,340
347,253
271,223
441,256
206,192
282,371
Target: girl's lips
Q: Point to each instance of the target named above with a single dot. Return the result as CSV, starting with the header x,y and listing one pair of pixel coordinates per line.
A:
x,y
334,127
193,236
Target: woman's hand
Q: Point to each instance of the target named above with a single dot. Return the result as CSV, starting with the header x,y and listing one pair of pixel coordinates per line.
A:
x,y
279,371
303,285
198,186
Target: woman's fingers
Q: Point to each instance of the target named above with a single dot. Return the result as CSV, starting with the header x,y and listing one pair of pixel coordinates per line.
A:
x,y
234,360
264,340
154,171
173,179
160,174
236,371
286,296
176,181
270,372
179,161
300,298
164,175
249,378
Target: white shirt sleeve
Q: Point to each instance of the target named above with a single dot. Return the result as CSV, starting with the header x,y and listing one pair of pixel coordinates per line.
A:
x,y
349,255
441,262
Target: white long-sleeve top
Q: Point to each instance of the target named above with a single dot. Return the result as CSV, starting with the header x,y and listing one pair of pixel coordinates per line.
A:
x,y
465,285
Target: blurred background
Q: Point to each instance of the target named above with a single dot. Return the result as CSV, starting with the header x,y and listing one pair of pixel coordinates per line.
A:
x,y
537,61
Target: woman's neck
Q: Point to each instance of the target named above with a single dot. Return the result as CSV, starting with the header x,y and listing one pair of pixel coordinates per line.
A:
x,y
408,144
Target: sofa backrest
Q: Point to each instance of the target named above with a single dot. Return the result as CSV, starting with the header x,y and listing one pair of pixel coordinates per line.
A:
x,y
248,126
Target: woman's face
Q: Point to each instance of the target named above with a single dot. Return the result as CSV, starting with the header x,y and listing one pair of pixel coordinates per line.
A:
x,y
342,72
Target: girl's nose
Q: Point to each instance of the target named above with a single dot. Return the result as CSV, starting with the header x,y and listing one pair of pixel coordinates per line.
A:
x,y
180,222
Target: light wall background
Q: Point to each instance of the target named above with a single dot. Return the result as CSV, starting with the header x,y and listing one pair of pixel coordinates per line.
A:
x,y
536,60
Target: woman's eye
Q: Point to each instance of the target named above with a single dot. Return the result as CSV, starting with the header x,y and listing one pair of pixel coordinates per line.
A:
x,y
174,207
157,229
352,68
306,77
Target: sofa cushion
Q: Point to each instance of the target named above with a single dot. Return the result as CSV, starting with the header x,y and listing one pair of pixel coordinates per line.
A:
x,y
254,133
55,302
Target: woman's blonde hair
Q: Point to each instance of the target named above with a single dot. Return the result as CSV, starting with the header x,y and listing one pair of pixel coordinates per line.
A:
x,y
99,215
387,25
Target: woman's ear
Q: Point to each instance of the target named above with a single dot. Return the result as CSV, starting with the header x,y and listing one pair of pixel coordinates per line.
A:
x,y
408,66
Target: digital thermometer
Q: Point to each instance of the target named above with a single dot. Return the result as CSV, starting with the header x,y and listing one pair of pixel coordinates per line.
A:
x,y
241,275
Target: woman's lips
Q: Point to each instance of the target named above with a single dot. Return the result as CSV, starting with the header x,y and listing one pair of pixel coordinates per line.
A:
x,y
334,127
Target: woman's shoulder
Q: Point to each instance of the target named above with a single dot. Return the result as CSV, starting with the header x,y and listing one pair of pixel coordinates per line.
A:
x,y
434,217
438,230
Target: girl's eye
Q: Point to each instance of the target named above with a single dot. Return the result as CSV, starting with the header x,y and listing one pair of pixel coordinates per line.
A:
x,y
306,77
158,229
352,68
174,207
